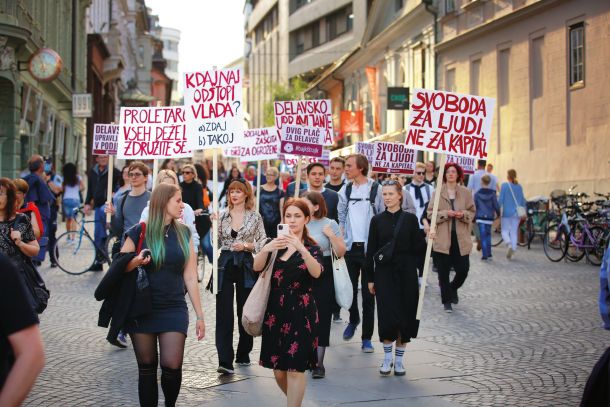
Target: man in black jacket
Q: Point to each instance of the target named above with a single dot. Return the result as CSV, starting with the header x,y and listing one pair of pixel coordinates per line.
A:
x,y
96,198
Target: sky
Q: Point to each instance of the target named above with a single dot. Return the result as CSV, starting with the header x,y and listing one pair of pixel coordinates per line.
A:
x,y
212,31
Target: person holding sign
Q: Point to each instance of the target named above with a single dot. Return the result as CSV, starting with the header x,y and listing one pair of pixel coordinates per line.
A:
x,y
325,231
291,318
452,243
240,233
393,280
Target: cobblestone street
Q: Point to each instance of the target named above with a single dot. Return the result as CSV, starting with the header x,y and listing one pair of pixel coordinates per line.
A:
x,y
525,333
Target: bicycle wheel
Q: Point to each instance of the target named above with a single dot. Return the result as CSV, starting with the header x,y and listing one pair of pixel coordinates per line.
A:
x,y
576,242
598,241
555,242
109,243
496,234
75,252
526,230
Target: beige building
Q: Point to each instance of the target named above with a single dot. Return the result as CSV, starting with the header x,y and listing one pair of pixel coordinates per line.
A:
x,y
546,63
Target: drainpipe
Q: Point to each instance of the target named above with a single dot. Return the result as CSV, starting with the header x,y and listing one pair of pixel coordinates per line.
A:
x,y
74,26
433,10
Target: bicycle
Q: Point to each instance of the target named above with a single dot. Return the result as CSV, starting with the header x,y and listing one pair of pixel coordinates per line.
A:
x,y
75,250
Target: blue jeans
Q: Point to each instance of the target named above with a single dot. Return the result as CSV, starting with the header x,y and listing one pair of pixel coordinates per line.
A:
x,y
485,231
206,245
43,242
99,230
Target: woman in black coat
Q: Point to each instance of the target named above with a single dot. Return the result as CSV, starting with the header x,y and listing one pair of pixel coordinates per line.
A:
x,y
395,283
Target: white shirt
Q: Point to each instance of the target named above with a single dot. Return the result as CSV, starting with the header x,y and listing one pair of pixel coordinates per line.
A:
x,y
73,191
419,210
358,212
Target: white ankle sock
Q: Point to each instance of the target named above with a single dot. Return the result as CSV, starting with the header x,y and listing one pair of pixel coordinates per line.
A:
x,y
387,351
400,351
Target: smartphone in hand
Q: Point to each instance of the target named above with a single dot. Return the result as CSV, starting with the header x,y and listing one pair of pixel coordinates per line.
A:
x,y
283,230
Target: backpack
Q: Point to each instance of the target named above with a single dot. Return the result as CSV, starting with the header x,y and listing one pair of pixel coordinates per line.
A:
x,y
371,198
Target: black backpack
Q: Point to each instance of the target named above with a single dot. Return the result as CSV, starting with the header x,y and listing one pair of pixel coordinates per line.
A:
x,y
371,198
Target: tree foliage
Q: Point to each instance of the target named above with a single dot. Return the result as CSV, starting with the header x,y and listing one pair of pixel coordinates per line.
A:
x,y
280,92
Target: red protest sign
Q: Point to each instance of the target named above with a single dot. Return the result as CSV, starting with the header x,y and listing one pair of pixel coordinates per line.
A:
x,y
450,123
393,158
213,99
308,113
467,164
300,140
105,139
152,132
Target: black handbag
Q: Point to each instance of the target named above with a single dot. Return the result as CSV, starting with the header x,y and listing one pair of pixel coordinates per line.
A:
x,y
38,293
384,254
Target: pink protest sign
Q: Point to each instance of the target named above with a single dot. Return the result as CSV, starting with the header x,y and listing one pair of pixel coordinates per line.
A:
x,y
292,160
257,144
468,164
301,140
152,132
306,113
105,139
451,123
366,149
393,158
214,114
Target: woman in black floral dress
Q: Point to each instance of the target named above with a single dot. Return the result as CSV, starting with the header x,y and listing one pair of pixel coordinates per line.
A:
x,y
290,337
17,240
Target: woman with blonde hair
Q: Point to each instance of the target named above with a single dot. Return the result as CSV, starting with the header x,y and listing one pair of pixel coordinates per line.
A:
x,y
240,233
170,267
511,197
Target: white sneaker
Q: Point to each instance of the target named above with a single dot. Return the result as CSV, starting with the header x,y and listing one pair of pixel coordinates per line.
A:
x,y
509,253
386,367
399,369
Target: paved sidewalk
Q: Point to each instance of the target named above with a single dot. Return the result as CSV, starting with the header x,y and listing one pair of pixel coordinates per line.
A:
x,y
526,332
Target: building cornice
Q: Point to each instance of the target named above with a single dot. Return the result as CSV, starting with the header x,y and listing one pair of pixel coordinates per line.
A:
x,y
498,23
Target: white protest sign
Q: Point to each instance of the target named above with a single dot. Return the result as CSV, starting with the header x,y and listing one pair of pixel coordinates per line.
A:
x,y
105,139
311,113
152,132
468,164
213,101
258,144
302,140
292,160
450,123
366,149
393,158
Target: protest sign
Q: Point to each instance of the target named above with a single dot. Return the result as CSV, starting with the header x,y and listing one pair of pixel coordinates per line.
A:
x,y
301,140
292,160
366,149
213,101
306,113
393,158
105,139
468,164
257,144
152,132
450,123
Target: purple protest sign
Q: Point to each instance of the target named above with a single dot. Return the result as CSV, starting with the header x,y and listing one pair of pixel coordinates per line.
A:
x,y
302,140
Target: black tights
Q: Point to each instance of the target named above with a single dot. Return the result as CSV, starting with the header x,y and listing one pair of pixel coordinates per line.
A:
x,y
171,345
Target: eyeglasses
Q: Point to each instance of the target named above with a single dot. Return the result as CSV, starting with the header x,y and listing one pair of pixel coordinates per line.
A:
x,y
419,173
135,174
270,175
187,172
389,182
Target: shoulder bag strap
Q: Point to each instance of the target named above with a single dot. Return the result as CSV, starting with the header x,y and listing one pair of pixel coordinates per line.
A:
x,y
513,194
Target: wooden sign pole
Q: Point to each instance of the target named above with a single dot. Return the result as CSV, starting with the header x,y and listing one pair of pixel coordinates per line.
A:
x,y
258,185
297,183
215,219
110,182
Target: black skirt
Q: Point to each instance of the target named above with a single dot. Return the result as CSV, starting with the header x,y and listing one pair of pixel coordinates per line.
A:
x,y
324,293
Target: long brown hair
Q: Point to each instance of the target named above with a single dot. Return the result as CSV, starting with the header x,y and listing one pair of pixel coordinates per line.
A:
x,y
11,197
317,198
243,186
303,207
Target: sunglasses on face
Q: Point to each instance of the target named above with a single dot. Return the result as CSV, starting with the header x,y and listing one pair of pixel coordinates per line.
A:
x,y
419,173
187,172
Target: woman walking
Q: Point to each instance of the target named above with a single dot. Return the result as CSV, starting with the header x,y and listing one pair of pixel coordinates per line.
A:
x,y
203,222
30,209
511,197
291,319
395,282
327,234
240,233
270,198
430,175
16,233
72,188
171,266
192,193
452,242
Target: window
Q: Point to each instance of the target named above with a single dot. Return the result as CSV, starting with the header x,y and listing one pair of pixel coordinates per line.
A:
x,y
475,75
577,53
297,4
503,79
398,5
450,80
537,69
449,6
339,23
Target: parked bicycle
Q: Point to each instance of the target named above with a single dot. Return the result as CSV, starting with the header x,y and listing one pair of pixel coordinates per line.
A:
x,y
76,250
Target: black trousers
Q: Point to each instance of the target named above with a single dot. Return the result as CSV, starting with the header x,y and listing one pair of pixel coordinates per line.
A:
x,y
444,263
421,258
233,282
355,261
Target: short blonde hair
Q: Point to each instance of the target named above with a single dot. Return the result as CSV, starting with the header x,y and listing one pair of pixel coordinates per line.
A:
x,y
274,170
420,165
165,174
21,185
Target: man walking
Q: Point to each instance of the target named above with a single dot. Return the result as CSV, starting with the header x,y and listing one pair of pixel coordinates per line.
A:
x,y
315,178
96,198
335,170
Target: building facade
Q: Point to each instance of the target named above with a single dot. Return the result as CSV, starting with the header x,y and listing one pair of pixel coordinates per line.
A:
x,y
545,63
36,117
171,42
